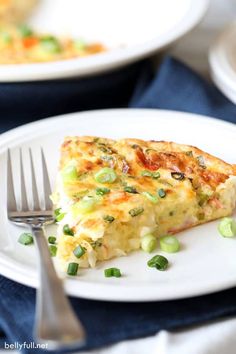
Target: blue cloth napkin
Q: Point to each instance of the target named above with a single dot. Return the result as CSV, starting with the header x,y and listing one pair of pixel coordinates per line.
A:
x,y
177,87
174,86
29,101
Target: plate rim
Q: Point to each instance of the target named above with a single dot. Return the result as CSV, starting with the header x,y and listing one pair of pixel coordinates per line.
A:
x,y
107,61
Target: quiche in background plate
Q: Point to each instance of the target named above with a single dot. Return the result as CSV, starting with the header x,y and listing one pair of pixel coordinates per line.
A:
x,y
111,193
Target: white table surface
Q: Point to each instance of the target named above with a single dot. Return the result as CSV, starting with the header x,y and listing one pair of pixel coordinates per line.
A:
x,y
217,337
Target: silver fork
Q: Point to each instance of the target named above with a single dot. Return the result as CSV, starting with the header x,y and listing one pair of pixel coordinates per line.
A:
x,y
56,324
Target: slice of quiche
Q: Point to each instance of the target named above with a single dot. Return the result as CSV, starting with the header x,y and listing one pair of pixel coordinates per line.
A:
x,y
111,193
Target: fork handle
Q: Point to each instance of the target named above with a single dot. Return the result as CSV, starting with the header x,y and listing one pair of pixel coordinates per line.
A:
x,y
56,324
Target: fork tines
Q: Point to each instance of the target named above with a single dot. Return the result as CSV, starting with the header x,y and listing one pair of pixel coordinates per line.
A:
x,y
24,204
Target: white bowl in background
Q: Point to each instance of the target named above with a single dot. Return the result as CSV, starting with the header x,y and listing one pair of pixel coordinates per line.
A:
x,y
131,29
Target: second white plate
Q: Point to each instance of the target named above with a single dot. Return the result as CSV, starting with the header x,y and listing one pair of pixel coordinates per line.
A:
x,y
206,262
222,59
130,29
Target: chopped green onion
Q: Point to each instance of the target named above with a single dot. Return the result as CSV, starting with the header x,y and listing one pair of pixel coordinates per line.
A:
x,y
82,176
151,197
79,251
109,218
112,272
201,161
69,173
5,37
116,272
179,176
102,191
105,175
53,250
80,45
148,243
105,149
189,153
67,230
72,269
147,173
227,227
106,158
161,193
169,244
156,175
81,194
51,44
58,214
108,272
85,205
129,189
203,198
159,262
97,243
136,211
26,239
201,216
25,31
52,240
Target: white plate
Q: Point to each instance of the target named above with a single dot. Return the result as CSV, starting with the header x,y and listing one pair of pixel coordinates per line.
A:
x,y
206,262
222,59
131,29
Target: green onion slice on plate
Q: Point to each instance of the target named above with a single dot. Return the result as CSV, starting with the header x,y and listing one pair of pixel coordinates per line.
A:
x,y
159,262
67,230
26,239
112,272
58,214
72,269
227,227
169,244
53,250
52,240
